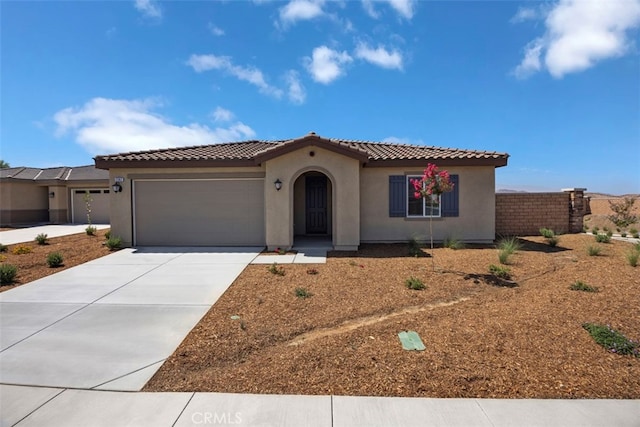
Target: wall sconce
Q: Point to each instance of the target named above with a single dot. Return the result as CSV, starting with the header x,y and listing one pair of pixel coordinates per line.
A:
x,y
52,195
116,188
278,184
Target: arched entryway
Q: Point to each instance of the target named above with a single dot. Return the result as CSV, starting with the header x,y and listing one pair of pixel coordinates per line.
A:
x,y
312,208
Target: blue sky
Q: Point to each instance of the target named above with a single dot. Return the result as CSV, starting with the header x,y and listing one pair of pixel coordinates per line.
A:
x,y
554,84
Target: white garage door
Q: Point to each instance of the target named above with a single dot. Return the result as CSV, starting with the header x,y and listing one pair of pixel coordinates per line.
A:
x,y
216,212
98,203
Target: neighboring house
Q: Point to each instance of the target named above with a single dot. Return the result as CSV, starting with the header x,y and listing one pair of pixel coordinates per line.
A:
x,y
53,195
269,192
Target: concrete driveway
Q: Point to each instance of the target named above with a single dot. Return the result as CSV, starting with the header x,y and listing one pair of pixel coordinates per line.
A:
x,y
28,234
110,323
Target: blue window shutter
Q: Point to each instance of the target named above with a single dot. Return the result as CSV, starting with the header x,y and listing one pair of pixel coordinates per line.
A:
x,y
397,195
450,200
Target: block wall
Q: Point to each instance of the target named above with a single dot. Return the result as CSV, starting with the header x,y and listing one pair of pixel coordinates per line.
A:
x,y
523,214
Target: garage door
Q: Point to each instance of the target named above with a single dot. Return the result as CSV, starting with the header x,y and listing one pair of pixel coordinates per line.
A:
x,y
99,205
215,212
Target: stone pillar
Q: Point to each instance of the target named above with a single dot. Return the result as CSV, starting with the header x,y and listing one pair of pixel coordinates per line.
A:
x,y
578,207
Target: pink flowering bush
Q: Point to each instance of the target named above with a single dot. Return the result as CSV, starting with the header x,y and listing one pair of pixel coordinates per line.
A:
x,y
433,182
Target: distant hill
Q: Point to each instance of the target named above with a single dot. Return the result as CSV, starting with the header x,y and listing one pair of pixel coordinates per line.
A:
x,y
610,196
506,190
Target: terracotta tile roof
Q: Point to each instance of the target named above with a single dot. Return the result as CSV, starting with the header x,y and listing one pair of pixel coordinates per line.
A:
x,y
254,152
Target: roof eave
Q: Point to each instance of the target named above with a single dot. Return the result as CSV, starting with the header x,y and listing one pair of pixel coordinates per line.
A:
x,y
384,163
102,163
308,141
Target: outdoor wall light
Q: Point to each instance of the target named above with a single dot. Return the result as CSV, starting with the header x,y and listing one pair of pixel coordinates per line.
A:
x,y
116,188
52,195
278,184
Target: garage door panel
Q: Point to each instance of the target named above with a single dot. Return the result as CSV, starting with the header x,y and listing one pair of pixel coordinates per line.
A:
x,y
199,213
99,205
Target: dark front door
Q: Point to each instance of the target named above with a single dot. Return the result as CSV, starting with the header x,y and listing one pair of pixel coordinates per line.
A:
x,y
316,204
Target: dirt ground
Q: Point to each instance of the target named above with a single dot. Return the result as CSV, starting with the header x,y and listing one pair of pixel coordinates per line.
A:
x,y
482,339
75,249
600,209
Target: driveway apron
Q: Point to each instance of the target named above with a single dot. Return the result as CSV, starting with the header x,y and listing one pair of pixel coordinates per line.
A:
x,y
110,323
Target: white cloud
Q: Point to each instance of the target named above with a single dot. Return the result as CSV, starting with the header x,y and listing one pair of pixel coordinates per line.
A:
x,y
296,92
301,10
379,56
149,8
531,61
222,115
405,8
326,65
581,33
369,9
399,140
524,14
251,75
215,30
114,125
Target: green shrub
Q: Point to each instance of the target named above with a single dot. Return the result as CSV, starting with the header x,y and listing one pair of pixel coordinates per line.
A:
x,y
609,233
499,271
42,239
113,243
593,250
107,235
276,269
91,230
605,229
414,247
303,293
623,234
509,244
414,283
611,339
634,233
547,233
454,244
581,286
3,248
595,230
503,256
603,238
21,250
7,273
632,257
54,259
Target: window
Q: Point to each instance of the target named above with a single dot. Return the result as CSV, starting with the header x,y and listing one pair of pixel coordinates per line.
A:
x,y
424,206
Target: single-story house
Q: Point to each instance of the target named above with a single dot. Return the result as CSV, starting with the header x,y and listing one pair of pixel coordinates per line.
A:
x,y
266,193
53,195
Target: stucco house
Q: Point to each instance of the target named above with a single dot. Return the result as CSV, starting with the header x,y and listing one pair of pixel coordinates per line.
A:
x,y
266,193
53,195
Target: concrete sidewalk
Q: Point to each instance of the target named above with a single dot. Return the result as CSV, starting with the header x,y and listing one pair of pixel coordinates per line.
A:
x,y
28,234
30,406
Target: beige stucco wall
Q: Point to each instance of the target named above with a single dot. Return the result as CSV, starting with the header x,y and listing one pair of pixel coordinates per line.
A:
x,y
344,174
23,203
475,223
59,204
121,214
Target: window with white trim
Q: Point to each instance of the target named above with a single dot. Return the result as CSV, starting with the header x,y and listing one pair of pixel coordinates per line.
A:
x,y
424,206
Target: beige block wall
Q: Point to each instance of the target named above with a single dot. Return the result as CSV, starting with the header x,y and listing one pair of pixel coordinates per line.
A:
x,y
120,207
344,174
475,223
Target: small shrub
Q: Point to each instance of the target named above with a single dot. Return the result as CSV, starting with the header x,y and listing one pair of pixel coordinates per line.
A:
x,y
499,271
303,293
609,233
7,273
509,245
91,230
3,248
547,233
414,283
623,234
603,238
632,257
593,250
595,230
280,251
42,239
414,247
113,243
453,244
107,235
54,259
276,269
634,233
581,286
503,256
312,271
605,229
21,250
611,339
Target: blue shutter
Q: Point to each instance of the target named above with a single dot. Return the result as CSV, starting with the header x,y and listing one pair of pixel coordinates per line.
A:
x,y
397,196
450,200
